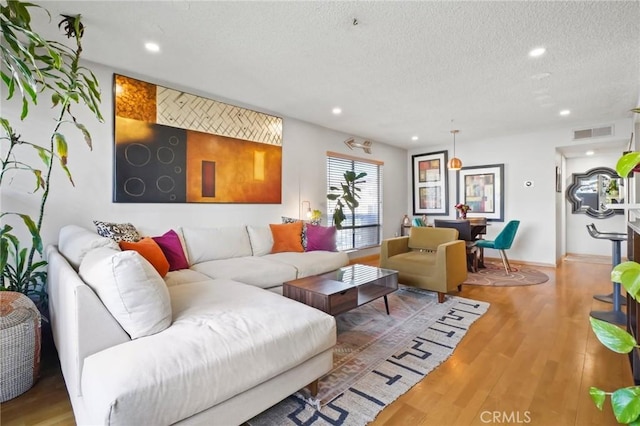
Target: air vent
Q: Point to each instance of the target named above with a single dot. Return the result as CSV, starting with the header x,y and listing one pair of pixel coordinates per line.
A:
x,y
595,132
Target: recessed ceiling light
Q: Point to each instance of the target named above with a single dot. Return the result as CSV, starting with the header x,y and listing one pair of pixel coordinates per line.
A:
x,y
589,153
565,112
152,47
337,110
540,76
538,51
414,138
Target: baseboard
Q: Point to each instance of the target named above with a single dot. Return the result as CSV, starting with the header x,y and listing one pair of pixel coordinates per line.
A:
x,y
374,260
589,258
520,262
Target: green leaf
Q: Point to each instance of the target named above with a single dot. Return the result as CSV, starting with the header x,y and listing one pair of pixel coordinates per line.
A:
x,y
62,148
44,155
627,163
628,274
626,404
25,109
598,396
39,179
612,336
85,132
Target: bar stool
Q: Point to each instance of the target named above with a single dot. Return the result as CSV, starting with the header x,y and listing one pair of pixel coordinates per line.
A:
x,y
615,316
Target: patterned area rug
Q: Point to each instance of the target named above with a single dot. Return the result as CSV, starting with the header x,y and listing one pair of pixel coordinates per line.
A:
x,y
379,357
494,275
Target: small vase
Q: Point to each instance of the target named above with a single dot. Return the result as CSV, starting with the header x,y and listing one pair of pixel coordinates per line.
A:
x,y
463,215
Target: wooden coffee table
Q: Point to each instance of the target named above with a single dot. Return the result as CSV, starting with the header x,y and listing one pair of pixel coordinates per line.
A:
x,y
343,289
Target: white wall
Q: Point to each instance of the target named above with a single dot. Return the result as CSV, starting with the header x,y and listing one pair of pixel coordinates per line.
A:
x,y
304,174
578,239
526,157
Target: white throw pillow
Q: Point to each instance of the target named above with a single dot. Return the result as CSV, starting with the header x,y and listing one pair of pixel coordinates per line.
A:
x,y
261,239
205,244
74,242
130,288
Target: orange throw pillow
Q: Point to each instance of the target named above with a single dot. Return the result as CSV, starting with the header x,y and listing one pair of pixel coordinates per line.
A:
x,y
287,237
151,251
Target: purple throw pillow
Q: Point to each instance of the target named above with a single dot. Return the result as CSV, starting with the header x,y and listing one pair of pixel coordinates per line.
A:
x,y
172,248
321,238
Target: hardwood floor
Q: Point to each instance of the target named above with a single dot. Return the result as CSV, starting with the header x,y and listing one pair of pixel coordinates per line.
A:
x,y
530,360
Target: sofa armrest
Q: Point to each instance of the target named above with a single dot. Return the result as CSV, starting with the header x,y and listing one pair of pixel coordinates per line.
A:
x,y
451,259
80,324
392,247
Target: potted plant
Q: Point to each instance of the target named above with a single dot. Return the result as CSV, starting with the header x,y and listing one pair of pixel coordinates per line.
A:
x,y
625,402
33,69
347,196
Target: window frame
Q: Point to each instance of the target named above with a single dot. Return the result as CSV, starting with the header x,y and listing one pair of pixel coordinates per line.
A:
x,y
352,238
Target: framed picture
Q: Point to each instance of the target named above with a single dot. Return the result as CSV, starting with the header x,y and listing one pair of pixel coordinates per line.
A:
x,y
430,184
482,189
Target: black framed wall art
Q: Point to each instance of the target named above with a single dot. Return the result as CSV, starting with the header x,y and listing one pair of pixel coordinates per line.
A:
x,y
482,189
430,184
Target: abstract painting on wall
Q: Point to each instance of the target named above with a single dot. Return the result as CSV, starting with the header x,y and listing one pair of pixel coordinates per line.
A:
x,y
175,147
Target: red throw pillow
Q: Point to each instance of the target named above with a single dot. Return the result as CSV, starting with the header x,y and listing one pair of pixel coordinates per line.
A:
x,y
151,251
287,237
172,248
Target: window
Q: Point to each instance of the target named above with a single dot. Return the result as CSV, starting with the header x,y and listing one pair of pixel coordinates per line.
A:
x,y
363,229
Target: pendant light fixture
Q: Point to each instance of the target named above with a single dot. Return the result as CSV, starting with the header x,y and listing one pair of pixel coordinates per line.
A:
x,y
455,163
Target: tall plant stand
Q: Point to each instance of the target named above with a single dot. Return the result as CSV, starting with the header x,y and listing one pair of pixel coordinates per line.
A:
x,y
19,344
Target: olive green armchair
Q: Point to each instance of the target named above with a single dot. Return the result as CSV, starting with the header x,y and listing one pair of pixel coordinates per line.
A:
x,y
429,258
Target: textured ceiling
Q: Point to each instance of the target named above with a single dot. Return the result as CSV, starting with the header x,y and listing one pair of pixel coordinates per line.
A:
x,y
406,68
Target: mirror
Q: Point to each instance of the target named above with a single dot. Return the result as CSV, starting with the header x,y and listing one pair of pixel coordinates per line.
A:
x,y
591,191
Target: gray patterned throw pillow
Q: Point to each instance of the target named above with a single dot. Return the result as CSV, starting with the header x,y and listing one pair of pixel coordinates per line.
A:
x,y
117,231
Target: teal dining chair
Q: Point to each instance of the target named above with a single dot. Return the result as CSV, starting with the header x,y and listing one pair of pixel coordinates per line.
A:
x,y
418,222
502,242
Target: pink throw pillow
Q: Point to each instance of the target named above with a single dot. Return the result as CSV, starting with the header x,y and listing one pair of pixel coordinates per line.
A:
x,y
321,238
172,248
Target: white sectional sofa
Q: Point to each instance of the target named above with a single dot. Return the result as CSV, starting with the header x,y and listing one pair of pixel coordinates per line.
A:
x,y
228,349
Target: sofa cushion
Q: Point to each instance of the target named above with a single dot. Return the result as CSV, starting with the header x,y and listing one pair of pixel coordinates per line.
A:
x,y
151,251
184,276
74,242
287,237
219,329
321,238
261,239
414,262
312,262
130,288
257,271
171,246
204,244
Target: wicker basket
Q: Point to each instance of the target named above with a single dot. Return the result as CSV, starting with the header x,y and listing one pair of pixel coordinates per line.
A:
x,y
19,344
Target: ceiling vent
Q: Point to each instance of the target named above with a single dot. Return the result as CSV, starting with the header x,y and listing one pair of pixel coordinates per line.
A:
x,y
595,132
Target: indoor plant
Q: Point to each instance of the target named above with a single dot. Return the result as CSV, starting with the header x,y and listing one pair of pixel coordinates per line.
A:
x,y
462,209
37,68
625,402
348,197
